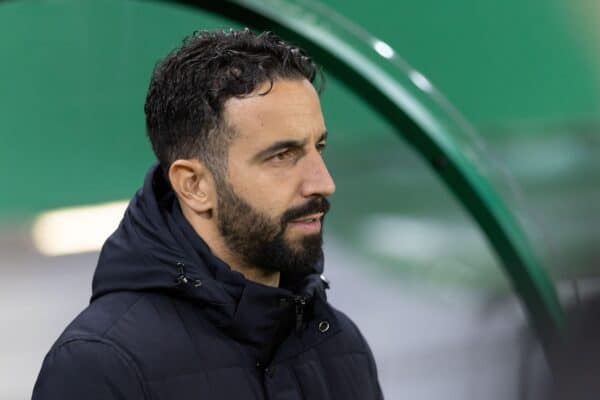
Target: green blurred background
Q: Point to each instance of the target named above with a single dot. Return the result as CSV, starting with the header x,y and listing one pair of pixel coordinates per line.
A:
x,y
75,73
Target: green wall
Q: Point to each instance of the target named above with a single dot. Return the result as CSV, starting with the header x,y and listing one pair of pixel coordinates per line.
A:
x,y
499,62
74,76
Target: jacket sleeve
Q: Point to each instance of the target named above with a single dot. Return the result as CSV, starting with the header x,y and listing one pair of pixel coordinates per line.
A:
x,y
87,369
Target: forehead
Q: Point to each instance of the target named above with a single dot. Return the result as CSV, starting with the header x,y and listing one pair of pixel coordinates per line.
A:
x,y
290,110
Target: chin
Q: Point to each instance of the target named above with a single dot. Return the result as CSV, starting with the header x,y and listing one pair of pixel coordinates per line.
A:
x,y
305,243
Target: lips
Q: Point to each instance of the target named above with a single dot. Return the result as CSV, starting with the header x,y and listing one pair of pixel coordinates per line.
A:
x,y
315,208
309,218
309,225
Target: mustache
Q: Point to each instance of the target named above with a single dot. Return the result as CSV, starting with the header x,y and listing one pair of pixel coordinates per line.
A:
x,y
313,206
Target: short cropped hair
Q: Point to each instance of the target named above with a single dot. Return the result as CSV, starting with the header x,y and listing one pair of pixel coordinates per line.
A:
x,y
188,88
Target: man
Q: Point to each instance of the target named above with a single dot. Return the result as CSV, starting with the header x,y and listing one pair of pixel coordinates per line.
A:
x,y
211,286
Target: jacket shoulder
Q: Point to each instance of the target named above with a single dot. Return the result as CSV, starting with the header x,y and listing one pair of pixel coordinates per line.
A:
x,y
165,337
351,336
352,341
89,368
84,362
127,319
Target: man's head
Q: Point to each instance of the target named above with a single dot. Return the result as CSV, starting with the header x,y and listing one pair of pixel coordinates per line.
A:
x,y
235,120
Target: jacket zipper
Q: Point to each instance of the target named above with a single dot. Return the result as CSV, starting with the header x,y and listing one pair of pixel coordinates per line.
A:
x,y
300,303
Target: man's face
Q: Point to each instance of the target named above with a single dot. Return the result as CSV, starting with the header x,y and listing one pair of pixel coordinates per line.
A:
x,y
272,203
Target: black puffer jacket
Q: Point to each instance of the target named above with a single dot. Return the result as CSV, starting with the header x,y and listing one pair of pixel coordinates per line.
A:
x,y
168,320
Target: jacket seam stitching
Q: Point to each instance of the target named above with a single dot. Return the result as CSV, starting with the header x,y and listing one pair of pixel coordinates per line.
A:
x,y
123,355
298,382
123,314
320,361
201,372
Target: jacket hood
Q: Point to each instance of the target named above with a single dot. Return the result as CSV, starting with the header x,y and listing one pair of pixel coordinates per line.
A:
x,y
156,249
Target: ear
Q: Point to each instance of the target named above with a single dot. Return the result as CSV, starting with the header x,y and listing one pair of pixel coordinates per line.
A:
x,y
194,185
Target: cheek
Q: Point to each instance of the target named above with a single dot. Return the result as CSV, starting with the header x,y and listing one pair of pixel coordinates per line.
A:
x,y
272,193
267,200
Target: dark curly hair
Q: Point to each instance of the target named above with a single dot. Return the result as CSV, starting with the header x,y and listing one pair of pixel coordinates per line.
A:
x,y
184,104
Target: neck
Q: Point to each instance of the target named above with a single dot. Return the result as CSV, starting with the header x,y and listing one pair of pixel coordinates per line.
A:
x,y
258,276
205,228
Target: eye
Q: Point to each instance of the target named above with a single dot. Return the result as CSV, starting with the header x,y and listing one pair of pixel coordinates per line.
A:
x,y
321,147
284,156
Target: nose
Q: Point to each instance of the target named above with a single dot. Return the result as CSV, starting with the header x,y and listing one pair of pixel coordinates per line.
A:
x,y
317,180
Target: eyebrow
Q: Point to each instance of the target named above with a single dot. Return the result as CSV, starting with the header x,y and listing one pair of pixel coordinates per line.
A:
x,y
284,144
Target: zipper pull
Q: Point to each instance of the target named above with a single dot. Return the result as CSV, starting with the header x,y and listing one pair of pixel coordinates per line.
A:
x,y
300,303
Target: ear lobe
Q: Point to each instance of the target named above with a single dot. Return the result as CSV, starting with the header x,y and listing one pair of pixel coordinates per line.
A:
x,y
193,184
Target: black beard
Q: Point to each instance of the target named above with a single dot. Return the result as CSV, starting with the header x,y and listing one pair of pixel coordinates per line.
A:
x,y
260,242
